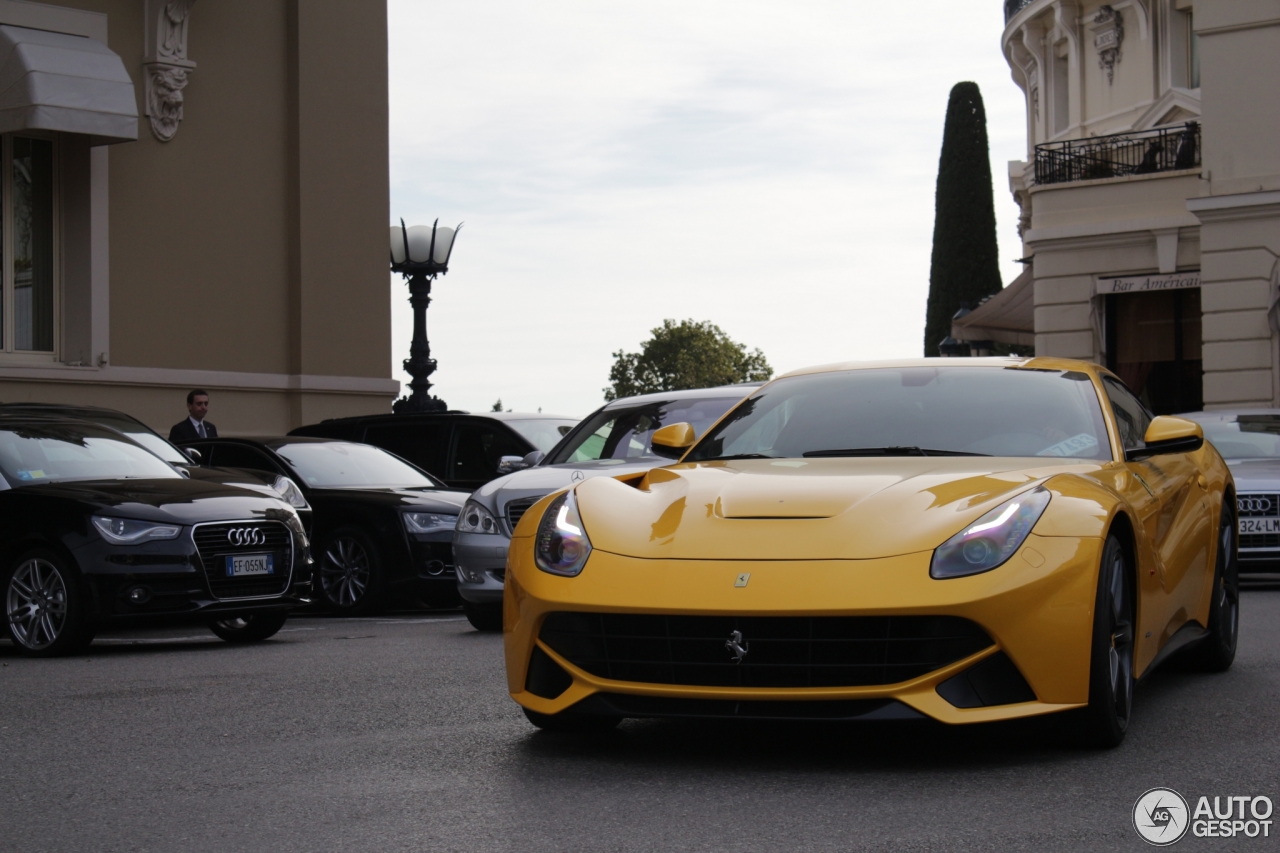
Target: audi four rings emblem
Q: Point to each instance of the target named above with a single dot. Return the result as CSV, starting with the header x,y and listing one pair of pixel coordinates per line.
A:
x,y
1254,504
247,536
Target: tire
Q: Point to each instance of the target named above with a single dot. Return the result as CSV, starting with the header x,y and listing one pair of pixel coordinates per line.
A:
x,y
572,723
249,629
483,617
1217,651
348,577
46,614
1104,722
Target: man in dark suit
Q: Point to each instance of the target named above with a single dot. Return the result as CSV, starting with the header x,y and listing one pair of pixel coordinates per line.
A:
x,y
194,426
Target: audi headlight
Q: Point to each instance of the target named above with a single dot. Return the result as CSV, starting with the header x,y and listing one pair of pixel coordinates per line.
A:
x,y
289,492
477,519
126,531
992,539
561,546
428,522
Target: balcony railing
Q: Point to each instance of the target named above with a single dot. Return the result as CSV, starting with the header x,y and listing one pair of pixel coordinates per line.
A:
x,y
1013,7
1142,152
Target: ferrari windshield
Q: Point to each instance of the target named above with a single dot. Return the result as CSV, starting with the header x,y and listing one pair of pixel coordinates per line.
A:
x,y
346,465
624,432
979,411
1247,437
60,452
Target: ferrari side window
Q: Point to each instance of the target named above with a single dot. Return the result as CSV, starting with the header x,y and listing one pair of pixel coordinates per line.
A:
x,y
1131,416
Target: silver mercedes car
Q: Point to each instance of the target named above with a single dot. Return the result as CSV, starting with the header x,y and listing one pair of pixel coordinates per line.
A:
x,y
613,440
1249,439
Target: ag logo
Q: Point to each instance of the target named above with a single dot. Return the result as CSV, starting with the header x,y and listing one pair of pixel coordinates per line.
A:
x,y
1160,816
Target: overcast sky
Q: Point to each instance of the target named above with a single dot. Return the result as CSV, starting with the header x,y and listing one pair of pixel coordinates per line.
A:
x,y
767,166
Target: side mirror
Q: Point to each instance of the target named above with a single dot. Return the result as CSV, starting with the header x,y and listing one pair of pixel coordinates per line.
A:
x,y
192,454
1168,434
672,441
507,464
534,458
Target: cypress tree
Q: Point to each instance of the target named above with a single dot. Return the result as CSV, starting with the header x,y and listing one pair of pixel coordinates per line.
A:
x,y
965,265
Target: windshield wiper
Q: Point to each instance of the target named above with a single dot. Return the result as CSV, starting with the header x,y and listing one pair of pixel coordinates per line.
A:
x,y
737,456
887,451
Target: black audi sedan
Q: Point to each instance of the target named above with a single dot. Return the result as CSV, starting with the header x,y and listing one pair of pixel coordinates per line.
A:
x,y
188,462
96,531
382,528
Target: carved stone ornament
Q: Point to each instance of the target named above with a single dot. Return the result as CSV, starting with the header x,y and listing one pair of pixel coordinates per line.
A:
x,y
166,66
1108,36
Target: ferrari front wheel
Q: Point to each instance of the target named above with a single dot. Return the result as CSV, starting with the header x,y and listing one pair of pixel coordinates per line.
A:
x,y
1217,651
1104,722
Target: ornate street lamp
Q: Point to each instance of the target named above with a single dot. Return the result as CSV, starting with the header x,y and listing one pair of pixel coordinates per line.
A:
x,y
420,254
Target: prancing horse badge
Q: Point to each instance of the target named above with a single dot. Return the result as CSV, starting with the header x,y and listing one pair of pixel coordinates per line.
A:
x,y
742,579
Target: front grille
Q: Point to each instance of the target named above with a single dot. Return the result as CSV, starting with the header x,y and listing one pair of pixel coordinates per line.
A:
x,y
516,509
1259,505
214,547
781,651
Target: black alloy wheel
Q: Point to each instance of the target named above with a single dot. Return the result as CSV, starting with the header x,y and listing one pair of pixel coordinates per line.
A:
x,y
1106,719
249,629
1217,651
483,617
570,723
350,573
45,612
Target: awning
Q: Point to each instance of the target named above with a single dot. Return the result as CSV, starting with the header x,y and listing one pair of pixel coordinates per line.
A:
x,y
1008,317
73,84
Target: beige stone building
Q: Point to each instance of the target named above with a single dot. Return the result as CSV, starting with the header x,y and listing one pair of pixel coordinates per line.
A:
x,y
1150,196
196,194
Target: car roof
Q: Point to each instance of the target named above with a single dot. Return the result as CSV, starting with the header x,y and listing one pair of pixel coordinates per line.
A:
x,y
733,392
1227,414
994,362
395,417
66,410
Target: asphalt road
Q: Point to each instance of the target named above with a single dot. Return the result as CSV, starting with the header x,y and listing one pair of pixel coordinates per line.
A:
x,y
396,733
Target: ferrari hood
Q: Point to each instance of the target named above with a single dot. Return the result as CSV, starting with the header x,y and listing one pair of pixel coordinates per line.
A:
x,y
802,509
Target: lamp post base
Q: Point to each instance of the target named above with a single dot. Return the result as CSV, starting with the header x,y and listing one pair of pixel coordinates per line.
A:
x,y
419,406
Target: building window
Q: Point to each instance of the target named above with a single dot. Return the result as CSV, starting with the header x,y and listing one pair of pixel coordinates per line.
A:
x,y
27,255
1061,88
1193,54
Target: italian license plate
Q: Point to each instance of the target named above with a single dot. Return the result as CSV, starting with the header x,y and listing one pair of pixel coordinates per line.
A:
x,y
250,564
1259,525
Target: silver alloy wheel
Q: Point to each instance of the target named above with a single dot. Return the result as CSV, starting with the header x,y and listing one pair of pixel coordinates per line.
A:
x,y
344,573
36,604
1120,654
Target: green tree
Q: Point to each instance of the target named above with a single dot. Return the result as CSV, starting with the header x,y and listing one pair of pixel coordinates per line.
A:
x,y
684,355
497,407
965,265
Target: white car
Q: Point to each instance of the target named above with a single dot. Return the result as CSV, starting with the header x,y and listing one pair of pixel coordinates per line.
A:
x,y
613,440
1249,440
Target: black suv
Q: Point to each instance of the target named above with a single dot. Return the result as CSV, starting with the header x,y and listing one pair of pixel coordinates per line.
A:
x,y
463,449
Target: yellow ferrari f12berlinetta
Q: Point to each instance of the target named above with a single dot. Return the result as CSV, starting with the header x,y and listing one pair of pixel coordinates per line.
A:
x,y
966,540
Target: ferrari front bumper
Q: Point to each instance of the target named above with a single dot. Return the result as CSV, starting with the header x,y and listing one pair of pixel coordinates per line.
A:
x,y
1037,610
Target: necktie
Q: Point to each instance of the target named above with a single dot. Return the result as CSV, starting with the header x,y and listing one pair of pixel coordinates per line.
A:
x,y
200,429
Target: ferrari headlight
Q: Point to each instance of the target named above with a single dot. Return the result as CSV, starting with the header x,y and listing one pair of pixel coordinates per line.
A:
x,y
289,492
477,519
992,539
561,546
126,531
429,522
